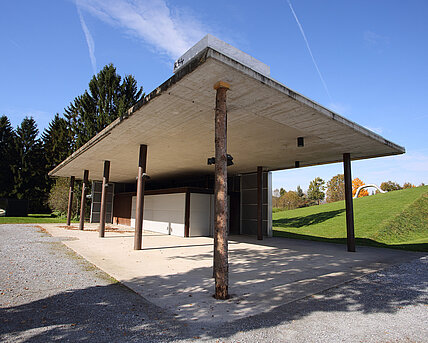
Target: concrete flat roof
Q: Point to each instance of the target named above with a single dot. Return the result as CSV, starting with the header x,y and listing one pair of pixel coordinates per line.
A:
x,y
176,122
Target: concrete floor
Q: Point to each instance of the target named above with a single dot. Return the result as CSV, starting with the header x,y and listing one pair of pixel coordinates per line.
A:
x,y
176,273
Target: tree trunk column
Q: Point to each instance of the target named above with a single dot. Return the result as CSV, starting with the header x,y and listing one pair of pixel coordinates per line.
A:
x,y
70,200
83,199
142,162
350,236
259,203
221,263
106,175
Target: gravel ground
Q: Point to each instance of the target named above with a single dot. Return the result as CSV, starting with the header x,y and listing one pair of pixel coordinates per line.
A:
x,y
49,293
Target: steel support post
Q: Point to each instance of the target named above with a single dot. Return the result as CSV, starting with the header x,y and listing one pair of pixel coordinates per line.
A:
x,y
142,162
83,199
350,236
221,263
259,203
106,175
70,200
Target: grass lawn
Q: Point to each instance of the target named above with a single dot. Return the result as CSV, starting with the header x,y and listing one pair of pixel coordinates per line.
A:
x,y
34,219
397,219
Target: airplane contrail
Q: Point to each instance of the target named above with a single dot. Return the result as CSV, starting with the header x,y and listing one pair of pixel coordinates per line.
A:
x,y
309,49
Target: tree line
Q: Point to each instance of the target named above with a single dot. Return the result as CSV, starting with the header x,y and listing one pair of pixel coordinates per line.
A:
x,y
26,157
333,190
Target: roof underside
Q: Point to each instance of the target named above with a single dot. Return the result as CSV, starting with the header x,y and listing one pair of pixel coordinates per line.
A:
x,y
176,122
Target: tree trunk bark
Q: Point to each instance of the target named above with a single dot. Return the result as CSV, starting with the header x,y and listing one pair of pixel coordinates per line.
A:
x,y
221,263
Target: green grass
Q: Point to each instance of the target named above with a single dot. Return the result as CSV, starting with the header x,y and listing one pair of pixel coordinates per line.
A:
x,y
397,219
34,219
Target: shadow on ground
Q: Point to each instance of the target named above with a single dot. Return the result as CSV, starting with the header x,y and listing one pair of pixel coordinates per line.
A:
x,y
113,313
311,219
359,241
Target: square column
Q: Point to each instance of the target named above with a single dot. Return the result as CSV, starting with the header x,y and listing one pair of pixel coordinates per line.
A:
x,y
350,235
221,262
70,200
142,162
259,203
106,175
83,199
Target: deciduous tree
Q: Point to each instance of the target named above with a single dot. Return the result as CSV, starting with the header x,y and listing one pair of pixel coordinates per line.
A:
x,y
357,183
336,188
389,186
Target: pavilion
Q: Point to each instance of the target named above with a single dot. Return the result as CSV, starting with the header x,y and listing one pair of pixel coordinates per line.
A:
x,y
205,142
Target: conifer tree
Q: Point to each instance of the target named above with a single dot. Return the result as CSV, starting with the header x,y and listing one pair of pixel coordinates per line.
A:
x,y
107,99
29,167
56,142
7,155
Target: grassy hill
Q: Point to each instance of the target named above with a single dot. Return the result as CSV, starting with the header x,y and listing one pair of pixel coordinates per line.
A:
x,y
397,219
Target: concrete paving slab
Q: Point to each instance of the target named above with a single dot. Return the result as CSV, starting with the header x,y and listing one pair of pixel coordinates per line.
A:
x,y
175,273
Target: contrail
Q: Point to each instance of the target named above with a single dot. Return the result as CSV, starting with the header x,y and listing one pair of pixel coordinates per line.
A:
x,y
309,49
89,40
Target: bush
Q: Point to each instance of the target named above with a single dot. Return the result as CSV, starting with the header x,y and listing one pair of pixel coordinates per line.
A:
x,y
389,186
58,197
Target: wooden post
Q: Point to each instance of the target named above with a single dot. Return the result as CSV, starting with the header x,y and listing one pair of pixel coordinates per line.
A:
x,y
70,200
350,236
83,199
259,203
142,162
187,215
106,174
221,263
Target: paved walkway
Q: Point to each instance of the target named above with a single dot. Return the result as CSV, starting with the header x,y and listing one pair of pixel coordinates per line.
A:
x,y
48,293
175,273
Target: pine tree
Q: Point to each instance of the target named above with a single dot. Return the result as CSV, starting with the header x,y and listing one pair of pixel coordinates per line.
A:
x,y
315,191
107,99
29,169
7,155
56,142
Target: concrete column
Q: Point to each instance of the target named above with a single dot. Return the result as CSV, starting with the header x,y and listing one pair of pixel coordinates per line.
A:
x,y
70,200
142,162
221,263
83,199
106,175
259,203
350,236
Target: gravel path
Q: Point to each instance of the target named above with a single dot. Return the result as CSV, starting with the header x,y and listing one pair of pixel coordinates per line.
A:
x,y
49,293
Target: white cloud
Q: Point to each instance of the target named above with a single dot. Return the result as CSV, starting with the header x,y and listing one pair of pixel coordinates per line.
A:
x,y
170,31
375,40
89,39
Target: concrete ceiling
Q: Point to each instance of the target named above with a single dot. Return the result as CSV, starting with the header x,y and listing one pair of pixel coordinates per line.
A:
x,y
176,122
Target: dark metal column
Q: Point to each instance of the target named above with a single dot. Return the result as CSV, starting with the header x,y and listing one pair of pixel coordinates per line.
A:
x,y
187,215
106,175
350,236
260,203
70,200
142,162
221,263
83,199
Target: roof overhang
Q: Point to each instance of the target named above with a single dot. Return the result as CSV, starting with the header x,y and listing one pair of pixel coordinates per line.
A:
x,y
176,122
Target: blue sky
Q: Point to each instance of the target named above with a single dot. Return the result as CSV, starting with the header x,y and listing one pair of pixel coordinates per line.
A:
x,y
371,56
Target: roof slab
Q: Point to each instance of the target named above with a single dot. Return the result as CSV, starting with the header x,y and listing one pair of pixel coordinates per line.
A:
x,y
176,122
